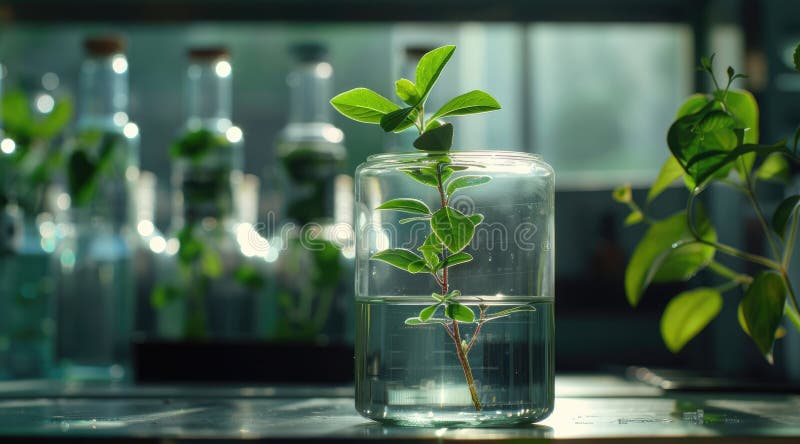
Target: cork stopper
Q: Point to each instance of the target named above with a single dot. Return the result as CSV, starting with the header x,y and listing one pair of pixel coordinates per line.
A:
x,y
104,45
208,53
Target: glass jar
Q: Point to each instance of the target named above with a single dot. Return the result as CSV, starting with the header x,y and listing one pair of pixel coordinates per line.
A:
x,y
313,273
455,309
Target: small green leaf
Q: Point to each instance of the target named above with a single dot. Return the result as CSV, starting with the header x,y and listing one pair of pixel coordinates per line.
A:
x,y
762,306
687,314
452,295
693,104
398,120
363,105
717,161
437,139
453,228
634,218
744,108
430,250
396,257
412,219
413,206
414,321
459,312
473,102
430,66
779,333
796,58
669,173
666,253
775,168
510,311
418,266
56,120
433,123
476,218
623,194
428,312
438,297
455,259
782,214
212,264
422,175
407,91
466,182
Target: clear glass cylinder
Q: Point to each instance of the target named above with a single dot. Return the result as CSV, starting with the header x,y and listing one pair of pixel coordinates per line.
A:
x,y
313,272
454,310
27,305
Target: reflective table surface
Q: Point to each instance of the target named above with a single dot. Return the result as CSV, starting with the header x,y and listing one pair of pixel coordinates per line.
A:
x,y
588,408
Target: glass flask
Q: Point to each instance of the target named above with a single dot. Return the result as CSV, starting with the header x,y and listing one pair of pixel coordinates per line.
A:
x,y
313,273
446,336
211,290
94,259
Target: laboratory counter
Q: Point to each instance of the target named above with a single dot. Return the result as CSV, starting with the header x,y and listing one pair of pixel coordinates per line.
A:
x,y
597,408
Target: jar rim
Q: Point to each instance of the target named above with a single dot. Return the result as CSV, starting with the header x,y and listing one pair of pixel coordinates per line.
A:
x,y
498,154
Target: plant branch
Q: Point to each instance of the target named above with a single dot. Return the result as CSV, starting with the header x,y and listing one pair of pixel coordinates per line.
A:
x,y
793,316
726,272
727,249
760,215
789,247
481,320
465,366
789,288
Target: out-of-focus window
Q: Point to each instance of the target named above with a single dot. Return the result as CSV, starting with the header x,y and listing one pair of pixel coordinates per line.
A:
x,y
603,95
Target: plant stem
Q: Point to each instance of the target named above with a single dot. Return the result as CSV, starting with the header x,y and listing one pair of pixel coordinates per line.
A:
x,y
465,366
761,220
455,334
789,247
793,316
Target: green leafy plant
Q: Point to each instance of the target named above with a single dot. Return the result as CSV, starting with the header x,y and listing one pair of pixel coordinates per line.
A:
x,y
36,158
715,139
451,230
206,188
96,156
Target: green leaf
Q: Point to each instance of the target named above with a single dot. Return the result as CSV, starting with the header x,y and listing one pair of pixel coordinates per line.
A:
x,y
81,177
363,105
438,297
56,120
453,228
413,206
17,118
430,250
510,311
796,58
396,257
715,161
743,107
693,104
667,253
422,175
398,120
414,321
622,194
687,314
412,219
437,139
779,333
212,264
670,172
249,277
775,168
634,218
782,214
762,306
407,91
466,182
473,102
433,123
428,312
163,295
455,259
418,266
429,68
459,312
476,218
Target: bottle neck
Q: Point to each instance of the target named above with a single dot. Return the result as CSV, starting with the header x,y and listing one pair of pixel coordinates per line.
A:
x,y
103,90
208,93
309,92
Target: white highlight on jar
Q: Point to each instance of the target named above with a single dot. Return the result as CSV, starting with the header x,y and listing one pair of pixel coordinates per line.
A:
x,y
223,68
119,64
234,134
